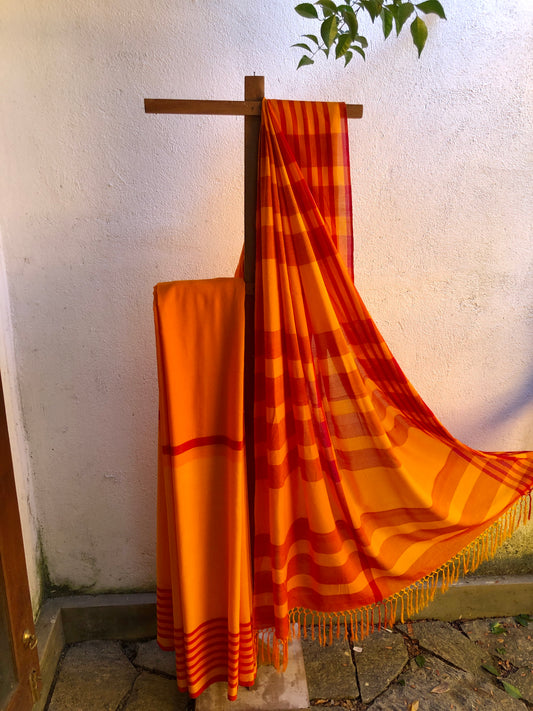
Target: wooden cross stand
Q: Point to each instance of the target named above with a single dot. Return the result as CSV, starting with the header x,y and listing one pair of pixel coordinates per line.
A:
x,y
250,108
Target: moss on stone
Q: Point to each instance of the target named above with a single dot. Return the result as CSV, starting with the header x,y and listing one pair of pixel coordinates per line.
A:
x,y
514,557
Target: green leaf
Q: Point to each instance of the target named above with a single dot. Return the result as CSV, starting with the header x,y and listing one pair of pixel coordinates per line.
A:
x,y
359,50
313,38
433,6
305,9
420,660
343,45
348,57
361,40
328,7
386,19
523,620
304,61
511,690
403,12
303,46
419,32
501,651
328,30
497,628
491,669
373,7
350,19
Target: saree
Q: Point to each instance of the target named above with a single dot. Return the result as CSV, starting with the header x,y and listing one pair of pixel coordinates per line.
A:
x,y
363,499
203,551
364,503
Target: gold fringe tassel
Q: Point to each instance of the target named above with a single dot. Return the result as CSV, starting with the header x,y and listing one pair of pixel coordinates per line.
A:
x,y
360,623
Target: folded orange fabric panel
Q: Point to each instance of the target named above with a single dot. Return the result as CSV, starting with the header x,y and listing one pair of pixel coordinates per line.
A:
x,y
204,607
362,498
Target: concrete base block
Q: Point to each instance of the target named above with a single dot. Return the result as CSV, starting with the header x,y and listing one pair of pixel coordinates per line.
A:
x,y
108,617
272,691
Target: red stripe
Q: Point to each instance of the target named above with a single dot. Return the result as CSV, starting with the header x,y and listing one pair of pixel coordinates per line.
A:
x,y
174,451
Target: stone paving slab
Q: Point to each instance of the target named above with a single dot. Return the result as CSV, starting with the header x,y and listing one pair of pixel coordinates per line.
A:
x,y
329,668
151,656
522,679
93,675
514,643
381,660
448,643
152,692
438,686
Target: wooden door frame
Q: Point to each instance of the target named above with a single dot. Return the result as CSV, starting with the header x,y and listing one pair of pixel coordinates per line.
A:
x,y
13,562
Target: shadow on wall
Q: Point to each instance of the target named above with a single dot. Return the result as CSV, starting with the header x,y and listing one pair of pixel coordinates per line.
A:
x,y
482,431
514,403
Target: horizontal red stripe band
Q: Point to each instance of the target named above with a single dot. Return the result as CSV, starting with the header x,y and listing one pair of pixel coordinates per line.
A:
x,y
174,451
233,640
208,647
215,623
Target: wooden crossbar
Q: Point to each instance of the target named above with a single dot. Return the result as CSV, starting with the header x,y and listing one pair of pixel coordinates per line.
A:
x,y
220,108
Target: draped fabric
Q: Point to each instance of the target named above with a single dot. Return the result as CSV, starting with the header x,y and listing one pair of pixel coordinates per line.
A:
x,y
364,502
204,596
362,498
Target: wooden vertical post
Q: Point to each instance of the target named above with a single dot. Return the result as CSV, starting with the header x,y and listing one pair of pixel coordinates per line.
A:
x,y
254,90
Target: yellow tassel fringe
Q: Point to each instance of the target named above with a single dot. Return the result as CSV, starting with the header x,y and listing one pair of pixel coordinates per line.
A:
x,y
401,606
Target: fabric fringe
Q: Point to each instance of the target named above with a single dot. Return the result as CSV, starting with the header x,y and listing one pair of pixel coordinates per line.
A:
x,y
359,623
272,650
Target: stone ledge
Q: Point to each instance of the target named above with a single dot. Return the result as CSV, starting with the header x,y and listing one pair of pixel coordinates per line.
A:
x,y
66,620
473,597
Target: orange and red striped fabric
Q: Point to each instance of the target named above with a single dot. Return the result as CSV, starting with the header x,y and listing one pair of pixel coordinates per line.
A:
x,y
204,589
361,494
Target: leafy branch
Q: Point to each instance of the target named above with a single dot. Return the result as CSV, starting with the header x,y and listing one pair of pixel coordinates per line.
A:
x,y
339,25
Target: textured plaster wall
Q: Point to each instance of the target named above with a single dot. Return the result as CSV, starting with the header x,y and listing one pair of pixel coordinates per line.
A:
x,y
22,470
98,202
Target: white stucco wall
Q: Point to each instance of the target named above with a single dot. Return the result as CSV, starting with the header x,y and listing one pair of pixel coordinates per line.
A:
x,y
22,470
98,202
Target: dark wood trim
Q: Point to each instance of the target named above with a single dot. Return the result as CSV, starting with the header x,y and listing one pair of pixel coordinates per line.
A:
x,y
254,90
15,578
